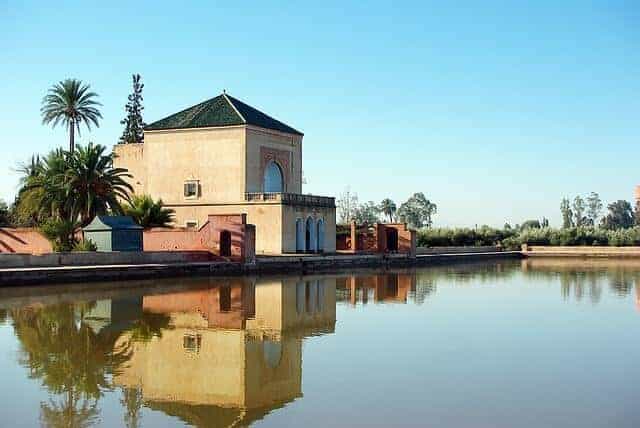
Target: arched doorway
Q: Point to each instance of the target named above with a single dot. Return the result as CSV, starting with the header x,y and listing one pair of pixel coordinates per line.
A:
x,y
225,243
320,238
310,236
300,235
392,240
273,178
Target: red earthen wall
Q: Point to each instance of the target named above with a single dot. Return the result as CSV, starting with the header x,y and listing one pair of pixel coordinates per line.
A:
x,y
23,240
207,237
374,239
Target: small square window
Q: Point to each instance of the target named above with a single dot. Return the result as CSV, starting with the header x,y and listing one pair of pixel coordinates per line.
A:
x,y
191,224
191,189
192,342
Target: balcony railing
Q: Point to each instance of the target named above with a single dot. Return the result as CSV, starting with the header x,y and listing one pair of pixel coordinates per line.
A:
x,y
292,199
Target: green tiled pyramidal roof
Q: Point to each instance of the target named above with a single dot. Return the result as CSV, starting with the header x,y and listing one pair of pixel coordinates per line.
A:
x,y
222,110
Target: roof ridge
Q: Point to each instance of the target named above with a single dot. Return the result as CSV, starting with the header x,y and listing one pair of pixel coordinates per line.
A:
x,y
226,97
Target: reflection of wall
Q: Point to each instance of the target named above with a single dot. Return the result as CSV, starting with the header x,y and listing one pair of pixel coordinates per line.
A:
x,y
307,305
390,287
237,345
224,368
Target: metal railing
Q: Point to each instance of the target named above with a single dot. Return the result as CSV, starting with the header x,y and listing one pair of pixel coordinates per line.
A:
x,y
292,199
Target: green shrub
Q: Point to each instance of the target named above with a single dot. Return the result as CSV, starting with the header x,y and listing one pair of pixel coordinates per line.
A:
x,y
512,239
60,233
85,245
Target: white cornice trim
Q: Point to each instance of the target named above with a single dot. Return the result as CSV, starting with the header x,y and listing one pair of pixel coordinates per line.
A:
x,y
224,94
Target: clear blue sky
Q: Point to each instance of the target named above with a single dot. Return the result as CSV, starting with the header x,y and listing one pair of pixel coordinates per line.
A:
x,y
495,110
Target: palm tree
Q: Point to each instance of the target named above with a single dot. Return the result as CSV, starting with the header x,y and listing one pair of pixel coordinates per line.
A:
x,y
388,208
149,213
65,188
93,186
71,103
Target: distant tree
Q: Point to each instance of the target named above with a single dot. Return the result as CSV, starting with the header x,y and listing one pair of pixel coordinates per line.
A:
x,y
418,211
4,213
567,214
579,209
388,208
619,216
346,205
133,123
149,213
594,208
544,222
507,226
71,103
637,213
530,224
367,213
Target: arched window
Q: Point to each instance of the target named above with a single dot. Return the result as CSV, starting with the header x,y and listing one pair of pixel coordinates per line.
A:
x,y
272,352
273,178
320,239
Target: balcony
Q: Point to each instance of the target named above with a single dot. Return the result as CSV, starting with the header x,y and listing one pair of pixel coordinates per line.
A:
x,y
292,199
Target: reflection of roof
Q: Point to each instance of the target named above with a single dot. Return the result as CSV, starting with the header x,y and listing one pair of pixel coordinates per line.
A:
x,y
201,415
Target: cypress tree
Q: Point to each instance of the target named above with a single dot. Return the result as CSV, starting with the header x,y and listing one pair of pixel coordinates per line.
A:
x,y
133,123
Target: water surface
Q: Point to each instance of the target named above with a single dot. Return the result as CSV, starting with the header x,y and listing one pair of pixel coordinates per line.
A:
x,y
527,344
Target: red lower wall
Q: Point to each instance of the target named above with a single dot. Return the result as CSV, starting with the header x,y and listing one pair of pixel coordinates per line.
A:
x,y
209,237
373,239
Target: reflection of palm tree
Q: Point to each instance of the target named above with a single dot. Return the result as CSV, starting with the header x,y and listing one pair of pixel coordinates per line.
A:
x,y
67,414
69,358
148,326
132,401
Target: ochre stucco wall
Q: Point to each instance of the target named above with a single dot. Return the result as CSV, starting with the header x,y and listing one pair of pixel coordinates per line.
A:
x,y
214,156
292,213
261,143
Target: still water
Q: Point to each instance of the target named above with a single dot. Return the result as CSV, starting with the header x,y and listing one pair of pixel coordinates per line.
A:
x,y
509,344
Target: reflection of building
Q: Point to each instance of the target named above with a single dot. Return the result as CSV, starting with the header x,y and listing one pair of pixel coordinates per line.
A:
x,y
231,353
388,287
113,314
223,156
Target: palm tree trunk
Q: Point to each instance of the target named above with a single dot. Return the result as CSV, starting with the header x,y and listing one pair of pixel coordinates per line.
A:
x,y
71,136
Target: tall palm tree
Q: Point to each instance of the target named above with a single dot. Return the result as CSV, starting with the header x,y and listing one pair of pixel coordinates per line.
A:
x,y
388,208
71,103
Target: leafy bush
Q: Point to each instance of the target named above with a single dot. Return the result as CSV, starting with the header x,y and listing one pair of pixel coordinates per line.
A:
x,y
84,246
149,213
462,237
60,233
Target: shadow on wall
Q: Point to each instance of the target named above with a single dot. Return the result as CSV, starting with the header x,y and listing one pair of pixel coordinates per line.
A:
x,y
23,241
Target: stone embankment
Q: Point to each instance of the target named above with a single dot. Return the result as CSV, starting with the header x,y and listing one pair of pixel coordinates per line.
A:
x,y
106,268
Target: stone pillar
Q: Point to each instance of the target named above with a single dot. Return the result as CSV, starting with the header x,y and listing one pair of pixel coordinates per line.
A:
x,y
354,237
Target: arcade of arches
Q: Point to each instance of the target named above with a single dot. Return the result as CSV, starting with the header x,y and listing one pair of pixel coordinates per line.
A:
x,y
310,234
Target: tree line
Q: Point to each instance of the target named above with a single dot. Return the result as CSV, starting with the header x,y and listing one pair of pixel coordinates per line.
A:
x,y
417,211
587,212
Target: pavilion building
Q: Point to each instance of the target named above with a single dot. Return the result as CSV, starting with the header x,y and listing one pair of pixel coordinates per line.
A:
x,y
224,157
